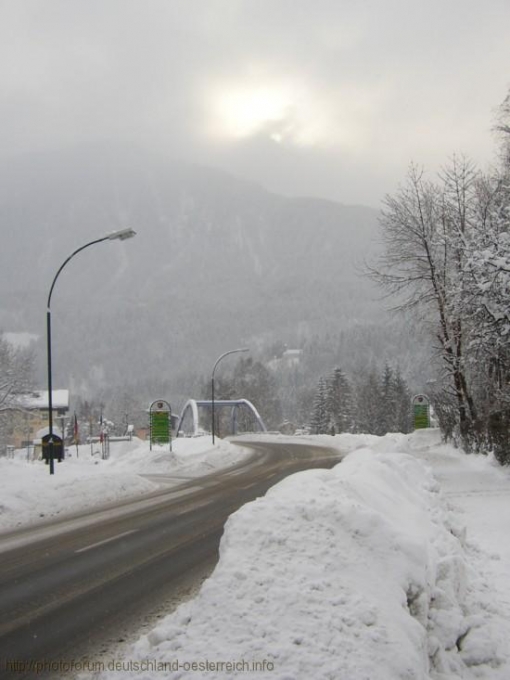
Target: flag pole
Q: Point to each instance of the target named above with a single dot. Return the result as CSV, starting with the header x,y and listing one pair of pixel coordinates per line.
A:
x,y
76,436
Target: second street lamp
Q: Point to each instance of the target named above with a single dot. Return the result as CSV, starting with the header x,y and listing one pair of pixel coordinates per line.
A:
x,y
232,351
120,235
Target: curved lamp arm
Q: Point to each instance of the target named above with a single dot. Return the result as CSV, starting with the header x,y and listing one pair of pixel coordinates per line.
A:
x,y
232,351
121,235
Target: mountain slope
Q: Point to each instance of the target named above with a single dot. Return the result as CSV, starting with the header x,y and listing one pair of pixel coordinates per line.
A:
x,y
217,261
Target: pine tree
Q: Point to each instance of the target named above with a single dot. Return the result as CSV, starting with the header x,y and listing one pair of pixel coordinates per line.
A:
x,y
388,403
368,398
339,403
320,417
403,416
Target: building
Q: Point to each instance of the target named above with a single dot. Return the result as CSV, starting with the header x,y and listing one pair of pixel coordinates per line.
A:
x,y
32,416
290,358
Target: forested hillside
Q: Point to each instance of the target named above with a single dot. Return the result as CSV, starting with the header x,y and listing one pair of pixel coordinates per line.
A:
x,y
216,262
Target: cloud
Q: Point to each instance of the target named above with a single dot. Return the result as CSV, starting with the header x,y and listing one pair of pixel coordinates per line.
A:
x,y
351,92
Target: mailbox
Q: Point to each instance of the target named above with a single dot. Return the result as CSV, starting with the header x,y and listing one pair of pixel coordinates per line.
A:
x,y
58,448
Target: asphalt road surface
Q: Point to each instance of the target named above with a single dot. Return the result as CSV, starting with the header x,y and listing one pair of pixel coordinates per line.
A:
x,y
68,586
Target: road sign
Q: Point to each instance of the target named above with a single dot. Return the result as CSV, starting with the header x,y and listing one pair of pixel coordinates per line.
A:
x,y
421,412
160,423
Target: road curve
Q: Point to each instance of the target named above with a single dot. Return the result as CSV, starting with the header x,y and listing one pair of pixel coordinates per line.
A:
x,y
67,585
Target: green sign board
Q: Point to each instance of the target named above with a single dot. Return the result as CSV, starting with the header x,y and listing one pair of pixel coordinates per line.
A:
x,y
421,412
160,423
160,427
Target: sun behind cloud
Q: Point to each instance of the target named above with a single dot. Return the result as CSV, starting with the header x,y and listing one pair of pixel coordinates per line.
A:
x,y
281,111
285,111
244,111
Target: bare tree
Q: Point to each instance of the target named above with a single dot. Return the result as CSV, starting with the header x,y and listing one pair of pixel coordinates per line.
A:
x,y
424,229
447,255
16,367
15,375
502,129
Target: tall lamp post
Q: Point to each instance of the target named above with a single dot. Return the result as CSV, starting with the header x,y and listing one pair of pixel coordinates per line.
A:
x,y
120,235
232,351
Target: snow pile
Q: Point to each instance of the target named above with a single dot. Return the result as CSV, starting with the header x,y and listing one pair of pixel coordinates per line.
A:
x,y
29,494
192,456
359,572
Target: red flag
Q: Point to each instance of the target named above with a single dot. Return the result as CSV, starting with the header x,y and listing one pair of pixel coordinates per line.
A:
x,y
76,435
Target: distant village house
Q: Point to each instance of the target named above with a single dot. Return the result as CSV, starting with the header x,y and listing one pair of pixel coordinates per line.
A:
x,y
30,421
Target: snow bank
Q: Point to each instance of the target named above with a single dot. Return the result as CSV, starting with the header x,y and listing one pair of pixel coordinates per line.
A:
x,y
29,494
192,456
359,572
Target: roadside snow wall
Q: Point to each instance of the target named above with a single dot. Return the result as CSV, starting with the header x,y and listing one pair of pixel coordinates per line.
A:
x,y
355,573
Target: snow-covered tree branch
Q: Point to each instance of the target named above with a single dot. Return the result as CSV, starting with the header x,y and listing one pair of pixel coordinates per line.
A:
x,y
447,254
16,367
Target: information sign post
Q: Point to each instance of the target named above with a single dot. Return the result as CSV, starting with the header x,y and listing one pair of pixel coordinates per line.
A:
x,y
160,423
421,412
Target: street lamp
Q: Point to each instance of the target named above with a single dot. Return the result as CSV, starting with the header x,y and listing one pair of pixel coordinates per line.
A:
x,y
232,351
120,235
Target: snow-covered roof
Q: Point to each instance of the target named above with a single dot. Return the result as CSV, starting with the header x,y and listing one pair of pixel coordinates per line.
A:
x,y
38,399
19,340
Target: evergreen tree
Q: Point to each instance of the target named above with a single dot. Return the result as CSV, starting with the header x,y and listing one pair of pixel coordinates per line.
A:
x,y
339,403
403,415
388,403
368,399
320,417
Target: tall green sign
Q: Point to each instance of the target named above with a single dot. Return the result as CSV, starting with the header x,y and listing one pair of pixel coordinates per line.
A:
x,y
421,412
160,423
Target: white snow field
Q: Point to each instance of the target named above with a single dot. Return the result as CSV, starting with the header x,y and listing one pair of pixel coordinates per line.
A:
x,y
394,564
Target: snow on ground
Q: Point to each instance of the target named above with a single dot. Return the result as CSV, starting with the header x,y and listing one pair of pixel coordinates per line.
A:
x,y
28,493
392,565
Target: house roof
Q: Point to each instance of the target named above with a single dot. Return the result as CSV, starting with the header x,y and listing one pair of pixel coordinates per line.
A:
x,y
38,399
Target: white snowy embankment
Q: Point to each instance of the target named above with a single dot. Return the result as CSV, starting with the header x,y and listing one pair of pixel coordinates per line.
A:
x,y
362,572
29,494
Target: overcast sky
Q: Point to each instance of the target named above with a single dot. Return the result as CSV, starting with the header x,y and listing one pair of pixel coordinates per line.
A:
x,y
331,98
